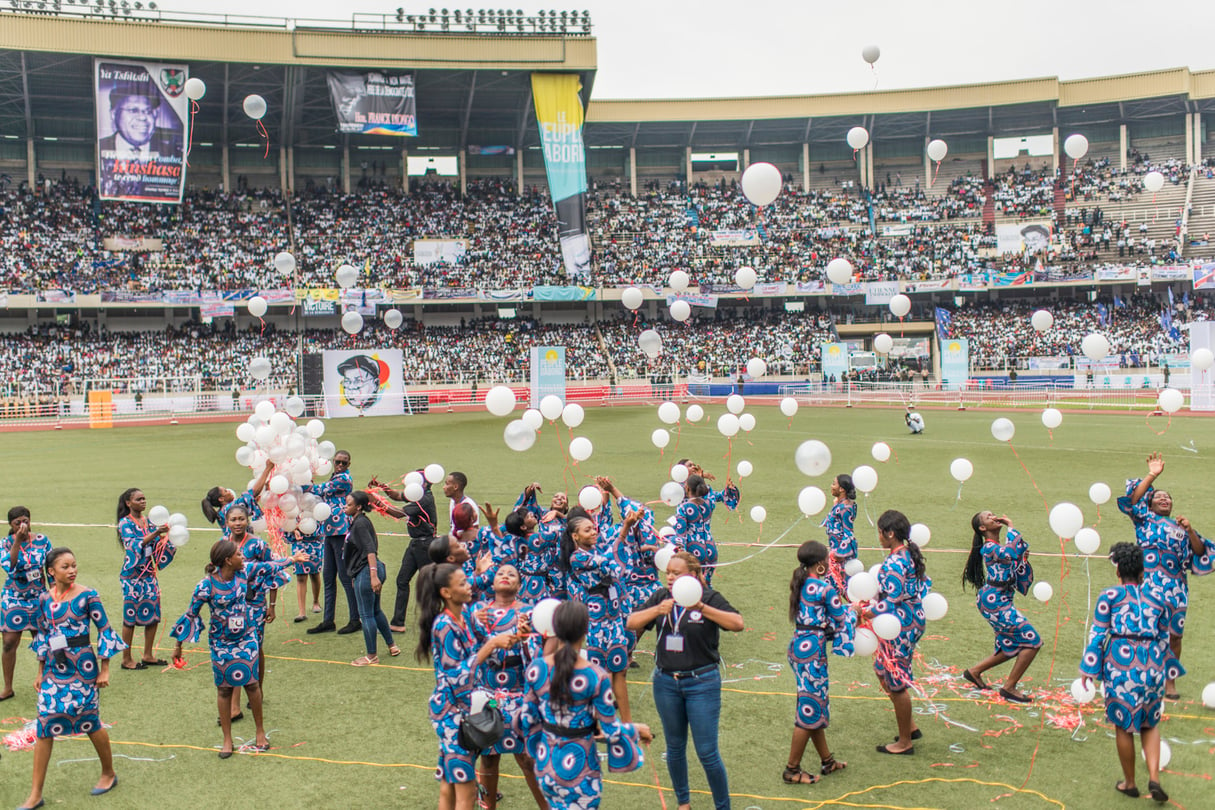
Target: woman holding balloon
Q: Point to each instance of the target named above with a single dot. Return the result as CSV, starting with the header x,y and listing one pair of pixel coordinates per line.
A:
x,y
839,523
694,516
992,568
689,617
146,549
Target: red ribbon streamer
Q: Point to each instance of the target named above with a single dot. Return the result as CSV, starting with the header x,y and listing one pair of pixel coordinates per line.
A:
x,y
261,128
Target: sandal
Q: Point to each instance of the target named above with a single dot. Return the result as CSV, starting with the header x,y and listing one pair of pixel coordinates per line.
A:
x,y
794,775
365,661
394,651
1157,792
831,765
1121,787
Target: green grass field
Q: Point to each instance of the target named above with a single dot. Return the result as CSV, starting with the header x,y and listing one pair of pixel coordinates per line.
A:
x,y
344,737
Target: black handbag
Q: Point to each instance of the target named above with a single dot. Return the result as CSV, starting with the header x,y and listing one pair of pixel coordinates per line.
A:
x,y
482,730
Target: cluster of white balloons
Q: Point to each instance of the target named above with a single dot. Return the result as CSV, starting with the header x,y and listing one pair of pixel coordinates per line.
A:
x,y
296,454
730,423
179,535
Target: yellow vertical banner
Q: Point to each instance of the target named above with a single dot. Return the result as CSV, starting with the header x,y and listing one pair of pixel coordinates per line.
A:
x,y
559,116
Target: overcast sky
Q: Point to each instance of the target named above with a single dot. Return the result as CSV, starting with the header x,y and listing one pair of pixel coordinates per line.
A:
x,y
684,49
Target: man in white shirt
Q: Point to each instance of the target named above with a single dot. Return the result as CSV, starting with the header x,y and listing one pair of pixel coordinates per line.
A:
x,y
915,422
453,487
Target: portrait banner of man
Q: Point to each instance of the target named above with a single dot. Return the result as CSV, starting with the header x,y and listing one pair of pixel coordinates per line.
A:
x,y
141,130
364,382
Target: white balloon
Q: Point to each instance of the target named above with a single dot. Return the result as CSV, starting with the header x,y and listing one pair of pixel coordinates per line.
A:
x,y
347,276
322,512
1066,519
865,478
158,515
727,425
284,263
746,421
687,590
264,410
244,432
294,406
900,305
1166,754
1088,541
279,484
264,436
672,493
663,555
735,404
937,149
935,606
352,322
759,514
745,469
695,413
761,183
650,342
745,278
961,469
1003,429
244,457
259,368
660,438
500,400
756,368
853,567
1095,346
1153,181
1076,146
580,448
679,473
1042,320
257,306
632,298
839,271
532,418
812,457
324,467
887,626
788,406
1043,591
871,53
1208,696
196,88
1202,359
413,491
281,423
811,501
1171,400
865,642
255,106
678,281
1052,418
681,310
518,436
883,343
393,319
1099,493
572,415
315,428
858,137
434,473
590,498
178,536
668,413
551,407
1081,693
177,519
542,616
920,534
307,525
881,451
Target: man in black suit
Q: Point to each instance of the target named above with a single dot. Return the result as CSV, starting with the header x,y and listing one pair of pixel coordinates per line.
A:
x,y
138,148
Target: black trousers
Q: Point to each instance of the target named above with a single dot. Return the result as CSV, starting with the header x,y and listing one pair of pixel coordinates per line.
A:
x,y
417,555
333,569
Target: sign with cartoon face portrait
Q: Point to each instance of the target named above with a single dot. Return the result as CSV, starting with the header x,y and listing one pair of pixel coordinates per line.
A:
x,y
364,382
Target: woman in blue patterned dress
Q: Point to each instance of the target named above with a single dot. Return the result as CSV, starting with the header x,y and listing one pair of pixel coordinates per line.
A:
x,y
71,672
502,675
838,523
219,499
819,615
1171,550
457,644
1128,649
253,549
693,519
992,569
146,549
569,702
23,558
902,584
227,589
314,546
597,581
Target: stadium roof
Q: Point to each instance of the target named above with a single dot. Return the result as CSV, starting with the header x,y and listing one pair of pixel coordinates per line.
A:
x,y
474,88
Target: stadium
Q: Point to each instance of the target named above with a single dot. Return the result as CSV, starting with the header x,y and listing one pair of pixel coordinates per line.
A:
x,y
428,218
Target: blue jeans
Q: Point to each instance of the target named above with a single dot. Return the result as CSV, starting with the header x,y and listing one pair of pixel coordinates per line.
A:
x,y
696,702
370,615
333,570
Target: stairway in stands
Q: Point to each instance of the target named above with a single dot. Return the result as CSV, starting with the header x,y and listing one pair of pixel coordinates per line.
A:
x,y
1060,204
989,207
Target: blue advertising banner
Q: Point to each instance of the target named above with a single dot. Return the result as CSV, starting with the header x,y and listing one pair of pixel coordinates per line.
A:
x,y
547,373
547,293
834,360
955,363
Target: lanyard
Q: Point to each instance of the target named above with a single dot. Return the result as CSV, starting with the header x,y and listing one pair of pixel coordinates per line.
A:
x,y
675,617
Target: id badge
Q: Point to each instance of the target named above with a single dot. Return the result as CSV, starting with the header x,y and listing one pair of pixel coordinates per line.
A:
x,y
236,623
674,642
613,594
57,642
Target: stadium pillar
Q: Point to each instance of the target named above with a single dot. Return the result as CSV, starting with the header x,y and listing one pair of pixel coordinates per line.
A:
x,y
1189,140
31,167
746,159
1197,138
1122,145
687,166
405,170
991,157
519,172
927,164
633,170
286,174
225,169
462,157
345,164
806,168
1054,152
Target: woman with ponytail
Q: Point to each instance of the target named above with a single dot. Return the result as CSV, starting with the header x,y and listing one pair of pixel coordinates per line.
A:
x,y
568,703
838,523
819,615
227,589
146,550
902,584
693,519
458,645
992,569
218,500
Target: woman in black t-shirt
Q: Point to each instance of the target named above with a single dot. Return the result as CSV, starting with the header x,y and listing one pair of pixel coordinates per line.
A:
x,y
687,681
366,572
